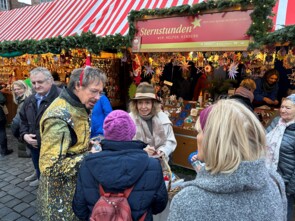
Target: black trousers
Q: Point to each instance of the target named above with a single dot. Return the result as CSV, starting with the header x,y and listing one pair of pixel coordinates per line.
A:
x,y
3,137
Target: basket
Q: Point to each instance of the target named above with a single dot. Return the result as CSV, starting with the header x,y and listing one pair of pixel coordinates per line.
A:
x,y
168,173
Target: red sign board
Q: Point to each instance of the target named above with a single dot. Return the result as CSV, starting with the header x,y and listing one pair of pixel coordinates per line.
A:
x,y
217,31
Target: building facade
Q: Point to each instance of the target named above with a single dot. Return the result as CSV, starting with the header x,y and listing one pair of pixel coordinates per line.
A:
x,y
13,4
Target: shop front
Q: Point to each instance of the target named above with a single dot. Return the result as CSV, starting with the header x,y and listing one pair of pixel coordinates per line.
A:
x,y
175,52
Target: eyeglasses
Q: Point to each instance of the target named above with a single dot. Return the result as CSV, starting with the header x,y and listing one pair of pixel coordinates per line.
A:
x,y
96,92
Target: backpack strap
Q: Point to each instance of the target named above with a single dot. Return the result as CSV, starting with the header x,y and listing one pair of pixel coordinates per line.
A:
x,y
128,191
142,218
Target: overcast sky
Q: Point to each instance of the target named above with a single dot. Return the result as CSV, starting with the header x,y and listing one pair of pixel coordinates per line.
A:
x,y
29,2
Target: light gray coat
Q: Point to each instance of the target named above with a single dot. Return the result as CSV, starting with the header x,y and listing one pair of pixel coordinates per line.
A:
x,y
248,194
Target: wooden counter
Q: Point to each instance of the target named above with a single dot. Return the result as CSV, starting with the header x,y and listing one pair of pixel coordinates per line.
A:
x,y
11,106
186,144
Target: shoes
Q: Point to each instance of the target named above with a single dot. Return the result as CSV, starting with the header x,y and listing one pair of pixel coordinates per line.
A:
x,y
31,177
34,183
7,153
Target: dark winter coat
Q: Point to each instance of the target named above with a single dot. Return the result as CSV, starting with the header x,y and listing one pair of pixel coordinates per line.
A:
x,y
119,166
243,100
260,93
2,114
286,165
30,115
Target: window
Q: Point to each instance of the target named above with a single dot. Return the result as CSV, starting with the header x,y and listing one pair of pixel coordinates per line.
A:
x,y
3,5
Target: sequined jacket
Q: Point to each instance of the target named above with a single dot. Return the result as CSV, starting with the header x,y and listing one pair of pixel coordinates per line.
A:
x,y
65,135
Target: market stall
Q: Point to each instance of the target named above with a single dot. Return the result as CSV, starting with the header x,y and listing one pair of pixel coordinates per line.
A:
x,y
61,33
62,64
171,49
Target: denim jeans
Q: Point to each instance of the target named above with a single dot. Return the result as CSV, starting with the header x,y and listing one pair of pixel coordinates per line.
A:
x,y
3,137
35,153
290,200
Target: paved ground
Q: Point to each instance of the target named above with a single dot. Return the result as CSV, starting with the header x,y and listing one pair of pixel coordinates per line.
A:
x,y
17,198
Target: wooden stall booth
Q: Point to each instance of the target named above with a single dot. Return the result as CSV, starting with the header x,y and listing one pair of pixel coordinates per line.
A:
x,y
174,50
18,68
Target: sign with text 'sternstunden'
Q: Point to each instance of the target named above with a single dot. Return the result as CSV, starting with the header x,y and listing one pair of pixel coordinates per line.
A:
x,y
207,32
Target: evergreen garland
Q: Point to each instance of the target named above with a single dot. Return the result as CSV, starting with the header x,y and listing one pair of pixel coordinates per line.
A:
x,y
87,40
282,36
261,25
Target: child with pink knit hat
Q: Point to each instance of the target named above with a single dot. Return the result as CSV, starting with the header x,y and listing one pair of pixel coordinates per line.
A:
x,y
121,164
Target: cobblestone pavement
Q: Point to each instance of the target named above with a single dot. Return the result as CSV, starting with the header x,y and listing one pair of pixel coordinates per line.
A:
x,y
17,198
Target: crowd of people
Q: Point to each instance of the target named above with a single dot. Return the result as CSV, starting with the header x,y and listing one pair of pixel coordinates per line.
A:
x,y
247,171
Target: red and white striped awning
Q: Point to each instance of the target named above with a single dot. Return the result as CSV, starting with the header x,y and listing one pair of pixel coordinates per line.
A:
x,y
62,16
16,22
44,20
284,13
102,17
110,17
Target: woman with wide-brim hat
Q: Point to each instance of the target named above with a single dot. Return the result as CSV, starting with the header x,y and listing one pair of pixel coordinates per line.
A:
x,y
153,126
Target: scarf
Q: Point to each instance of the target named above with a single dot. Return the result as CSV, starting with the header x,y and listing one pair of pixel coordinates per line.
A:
x,y
244,92
156,138
273,143
268,87
20,99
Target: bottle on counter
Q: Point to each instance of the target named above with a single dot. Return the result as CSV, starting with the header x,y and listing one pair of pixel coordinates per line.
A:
x,y
200,99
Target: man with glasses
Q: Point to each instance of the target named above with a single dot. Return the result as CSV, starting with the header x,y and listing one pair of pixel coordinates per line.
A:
x,y
31,112
65,134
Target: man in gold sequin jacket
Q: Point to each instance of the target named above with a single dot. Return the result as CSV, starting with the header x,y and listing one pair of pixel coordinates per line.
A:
x,y
65,133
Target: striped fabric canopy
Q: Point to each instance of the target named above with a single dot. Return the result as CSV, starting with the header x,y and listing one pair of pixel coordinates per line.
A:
x,y
44,20
284,13
102,17
110,17
69,17
17,22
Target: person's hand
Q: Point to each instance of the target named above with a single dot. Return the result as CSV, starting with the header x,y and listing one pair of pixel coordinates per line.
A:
x,y
268,101
95,146
160,153
276,102
31,139
150,150
194,157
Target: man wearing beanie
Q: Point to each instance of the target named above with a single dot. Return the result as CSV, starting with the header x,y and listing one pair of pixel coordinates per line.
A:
x,y
121,164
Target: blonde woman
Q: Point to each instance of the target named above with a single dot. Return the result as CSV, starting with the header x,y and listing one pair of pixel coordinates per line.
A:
x,y
234,184
20,91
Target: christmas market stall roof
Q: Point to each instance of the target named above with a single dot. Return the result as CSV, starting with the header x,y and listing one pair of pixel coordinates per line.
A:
x,y
284,24
53,21
45,20
284,13
110,17
102,24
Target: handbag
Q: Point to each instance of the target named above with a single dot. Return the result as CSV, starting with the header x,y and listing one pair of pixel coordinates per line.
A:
x,y
4,108
169,178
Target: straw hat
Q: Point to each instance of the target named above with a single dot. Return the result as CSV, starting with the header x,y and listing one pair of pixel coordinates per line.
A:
x,y
145,91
